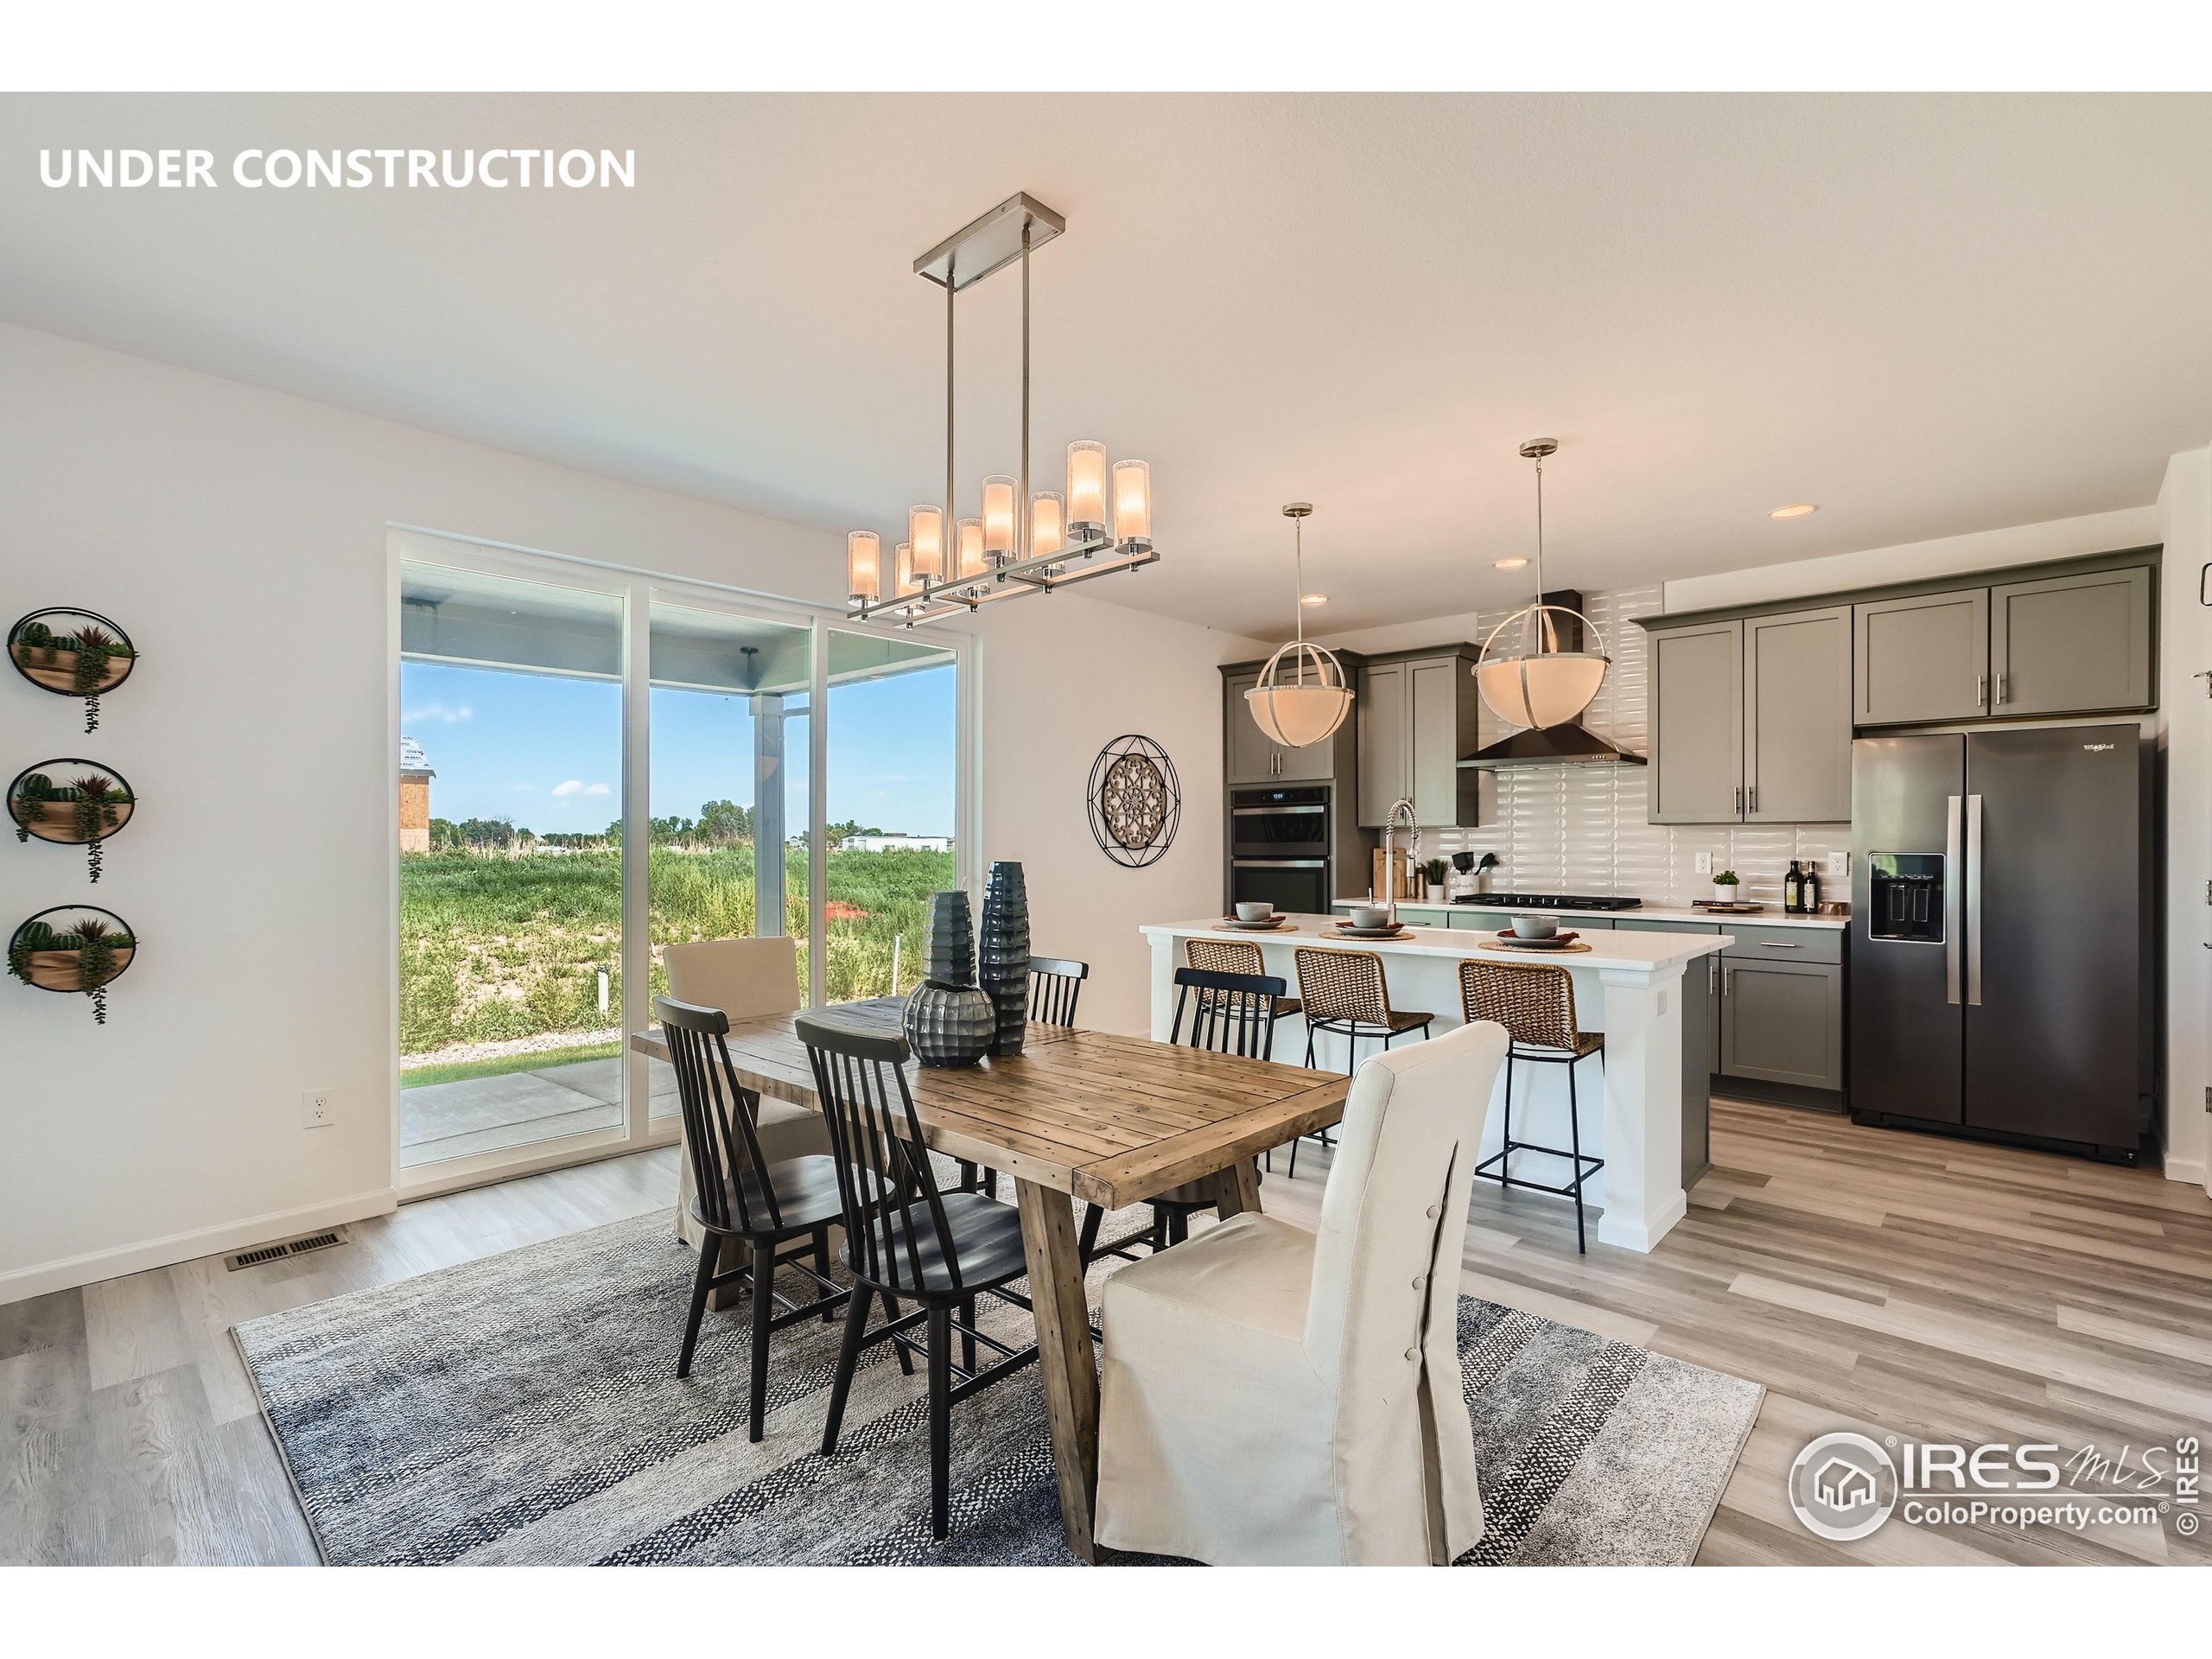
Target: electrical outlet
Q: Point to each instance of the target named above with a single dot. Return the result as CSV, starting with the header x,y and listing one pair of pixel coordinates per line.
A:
x,y
1705,863
1840,866
316,1110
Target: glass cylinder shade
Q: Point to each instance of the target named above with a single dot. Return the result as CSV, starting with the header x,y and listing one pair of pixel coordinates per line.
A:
x,y
925,534
999,496
1132,502
864,566
1048,529
1301,697
1087,483
903,569
969,548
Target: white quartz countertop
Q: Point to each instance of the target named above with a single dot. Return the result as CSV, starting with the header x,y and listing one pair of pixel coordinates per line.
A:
x,y
1772,916
1609,948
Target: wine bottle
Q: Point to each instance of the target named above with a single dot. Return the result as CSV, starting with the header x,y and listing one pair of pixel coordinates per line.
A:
x,y
1810,892
1793,890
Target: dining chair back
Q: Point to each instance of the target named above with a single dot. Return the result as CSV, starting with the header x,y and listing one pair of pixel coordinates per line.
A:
x,y
745,978
1229,1013
1055,983
722,1128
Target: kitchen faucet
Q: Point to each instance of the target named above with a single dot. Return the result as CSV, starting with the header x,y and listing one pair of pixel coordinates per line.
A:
x,y
1390,847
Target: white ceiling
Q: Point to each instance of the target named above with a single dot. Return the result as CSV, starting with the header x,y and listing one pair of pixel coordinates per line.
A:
x,y
1930,315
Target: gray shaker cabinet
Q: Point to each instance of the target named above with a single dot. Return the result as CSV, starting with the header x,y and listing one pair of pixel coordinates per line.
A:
x,y
1697,724
1251,756
1383,723
1797,718
2071,645
1417,716
1782,1022
1922,657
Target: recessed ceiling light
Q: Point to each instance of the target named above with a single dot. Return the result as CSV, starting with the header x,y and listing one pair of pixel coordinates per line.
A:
x,y
1795,510
1312,599
1511,564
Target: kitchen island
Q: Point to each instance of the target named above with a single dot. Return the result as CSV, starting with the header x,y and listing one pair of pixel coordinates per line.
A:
x,y
1629,985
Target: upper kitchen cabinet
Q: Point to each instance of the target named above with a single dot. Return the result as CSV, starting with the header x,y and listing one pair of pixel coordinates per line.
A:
x,y
2071,645
1797,718
1250,756
1417,717
1751,719
1697,724
1922,657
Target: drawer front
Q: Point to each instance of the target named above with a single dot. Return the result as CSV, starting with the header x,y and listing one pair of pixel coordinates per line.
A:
x,y
1788,943
1466,915
1672,927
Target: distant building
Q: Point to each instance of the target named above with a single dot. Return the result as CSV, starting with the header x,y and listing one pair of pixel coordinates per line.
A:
x,y
415,775
897,843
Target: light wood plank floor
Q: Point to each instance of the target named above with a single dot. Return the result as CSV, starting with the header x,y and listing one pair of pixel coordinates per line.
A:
x,y
1900,1283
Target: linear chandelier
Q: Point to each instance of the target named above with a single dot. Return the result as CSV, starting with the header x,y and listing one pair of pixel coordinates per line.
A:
x,y
1019,542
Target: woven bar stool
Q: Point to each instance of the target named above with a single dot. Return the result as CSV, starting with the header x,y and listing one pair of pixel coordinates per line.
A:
x,y
1237,957
1345,991
1536,1007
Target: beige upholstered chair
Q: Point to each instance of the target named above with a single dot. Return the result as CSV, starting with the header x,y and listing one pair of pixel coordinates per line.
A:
x,y
745,978
1270,1397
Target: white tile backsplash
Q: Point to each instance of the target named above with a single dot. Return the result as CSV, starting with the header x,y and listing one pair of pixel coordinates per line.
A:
x,y
1582,830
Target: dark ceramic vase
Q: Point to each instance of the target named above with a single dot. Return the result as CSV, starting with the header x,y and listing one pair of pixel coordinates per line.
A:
x,y
949,1020
1002,966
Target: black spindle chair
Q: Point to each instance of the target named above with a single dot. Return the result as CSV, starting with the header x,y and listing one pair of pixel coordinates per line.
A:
x,y
1054,984
740,1196
906,1239
1229,1013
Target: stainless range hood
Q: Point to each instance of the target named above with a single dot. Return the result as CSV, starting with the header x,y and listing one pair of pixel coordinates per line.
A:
x,y
1568,744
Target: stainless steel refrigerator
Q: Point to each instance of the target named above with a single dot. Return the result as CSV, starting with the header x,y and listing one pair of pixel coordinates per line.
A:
x,y
2002,966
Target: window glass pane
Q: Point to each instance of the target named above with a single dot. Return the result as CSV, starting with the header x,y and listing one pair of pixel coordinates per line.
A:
x,y
511,884
891,796
729,786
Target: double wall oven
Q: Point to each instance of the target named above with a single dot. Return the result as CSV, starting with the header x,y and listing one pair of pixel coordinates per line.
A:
x,y
1279,847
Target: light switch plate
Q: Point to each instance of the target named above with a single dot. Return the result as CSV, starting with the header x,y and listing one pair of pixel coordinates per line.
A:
x,y
1840,866
1705,863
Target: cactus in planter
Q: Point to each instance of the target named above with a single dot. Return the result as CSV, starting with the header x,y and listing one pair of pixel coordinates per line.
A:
x,y
95,647
31,794
97,798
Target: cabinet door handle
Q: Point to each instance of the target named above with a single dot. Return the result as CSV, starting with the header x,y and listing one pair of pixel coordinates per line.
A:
x,y
1739,800
1769,944
1981,690
1754,799
2000,690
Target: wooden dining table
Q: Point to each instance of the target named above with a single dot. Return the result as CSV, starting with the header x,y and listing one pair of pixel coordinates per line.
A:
x,y
1087,1115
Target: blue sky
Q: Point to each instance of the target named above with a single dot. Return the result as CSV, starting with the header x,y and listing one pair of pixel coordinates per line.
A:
x,y
546,752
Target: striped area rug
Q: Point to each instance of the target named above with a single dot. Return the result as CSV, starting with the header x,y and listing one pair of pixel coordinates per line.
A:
x,y
524,1408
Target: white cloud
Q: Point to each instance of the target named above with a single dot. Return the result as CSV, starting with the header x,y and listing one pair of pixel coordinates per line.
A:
x,y
596,789
574,786
445,714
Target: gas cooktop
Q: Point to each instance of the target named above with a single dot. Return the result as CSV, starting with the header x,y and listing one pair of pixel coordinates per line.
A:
x,y
1544,901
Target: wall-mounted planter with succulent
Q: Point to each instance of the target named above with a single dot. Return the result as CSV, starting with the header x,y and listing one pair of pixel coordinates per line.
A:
x,y
74,948
75,802
73,654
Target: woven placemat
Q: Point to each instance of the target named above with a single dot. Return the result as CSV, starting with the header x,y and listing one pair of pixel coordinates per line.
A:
x,y
1576,949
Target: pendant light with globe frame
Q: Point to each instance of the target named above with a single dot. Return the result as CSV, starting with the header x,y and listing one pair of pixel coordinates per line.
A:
x,y
1533,683
1302,695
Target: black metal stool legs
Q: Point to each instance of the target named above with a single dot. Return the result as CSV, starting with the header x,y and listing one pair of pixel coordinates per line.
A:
x,y
1584,1165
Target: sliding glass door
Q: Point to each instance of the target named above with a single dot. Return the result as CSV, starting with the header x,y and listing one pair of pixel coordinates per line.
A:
x,y
596,764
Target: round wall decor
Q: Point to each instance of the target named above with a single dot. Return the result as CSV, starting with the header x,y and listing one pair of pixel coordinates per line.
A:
x,y
75,801
72,653
1135,801
78,948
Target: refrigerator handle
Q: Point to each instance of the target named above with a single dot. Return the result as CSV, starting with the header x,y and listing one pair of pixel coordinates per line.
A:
x,y
1974,901
1953,902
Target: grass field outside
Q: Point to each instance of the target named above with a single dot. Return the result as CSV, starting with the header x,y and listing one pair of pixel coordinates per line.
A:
x,y
494,950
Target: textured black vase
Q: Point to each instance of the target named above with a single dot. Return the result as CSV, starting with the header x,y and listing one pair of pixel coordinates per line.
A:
x,y
1002,964
949,1020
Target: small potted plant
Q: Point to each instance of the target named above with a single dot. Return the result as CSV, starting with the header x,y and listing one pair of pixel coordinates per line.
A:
x,y
83,657
85,956
1433,881
1724,888
83,812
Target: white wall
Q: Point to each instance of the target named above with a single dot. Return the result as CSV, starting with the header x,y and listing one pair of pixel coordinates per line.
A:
x,y
1066,676
2184,653
1949,556
240,536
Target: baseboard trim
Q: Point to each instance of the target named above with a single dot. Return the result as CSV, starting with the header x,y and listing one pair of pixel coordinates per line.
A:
x,y
71,1272
2195,1170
